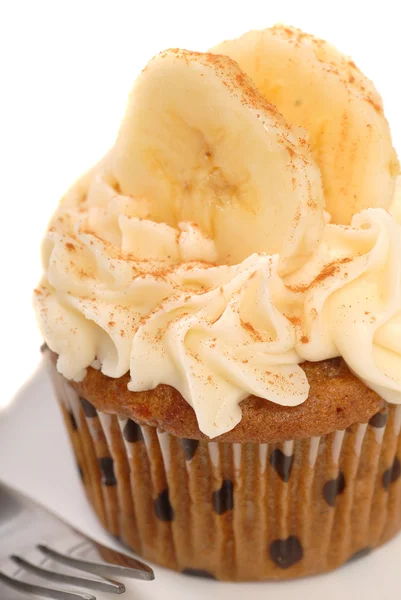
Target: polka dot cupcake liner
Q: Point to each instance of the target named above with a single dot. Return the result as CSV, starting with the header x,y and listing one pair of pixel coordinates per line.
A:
x,y
239,511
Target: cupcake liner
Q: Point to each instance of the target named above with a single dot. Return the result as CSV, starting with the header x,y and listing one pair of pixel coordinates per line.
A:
x,y
239,511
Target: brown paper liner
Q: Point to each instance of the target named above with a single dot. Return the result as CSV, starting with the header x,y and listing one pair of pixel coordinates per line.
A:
x,y
239,511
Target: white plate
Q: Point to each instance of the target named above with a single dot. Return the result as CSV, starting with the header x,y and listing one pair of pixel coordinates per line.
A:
x,y
36,458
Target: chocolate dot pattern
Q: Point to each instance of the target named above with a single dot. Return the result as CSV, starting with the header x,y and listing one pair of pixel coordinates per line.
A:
x,y
88,408
286,553
163,509
378,420
132,432
359,554
106,465
198,573
392,474
223,499
282,464
190,447
80,471
334,488
73,421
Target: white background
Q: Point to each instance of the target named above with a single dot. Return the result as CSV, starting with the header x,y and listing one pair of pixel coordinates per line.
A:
x,y
65,70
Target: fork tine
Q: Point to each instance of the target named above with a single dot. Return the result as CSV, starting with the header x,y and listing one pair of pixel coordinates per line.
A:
x,y
102,586
123,560
137,571
38,590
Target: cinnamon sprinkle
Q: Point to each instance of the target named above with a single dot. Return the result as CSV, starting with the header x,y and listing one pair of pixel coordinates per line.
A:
x,y
251,330
294,320
375,105
328,271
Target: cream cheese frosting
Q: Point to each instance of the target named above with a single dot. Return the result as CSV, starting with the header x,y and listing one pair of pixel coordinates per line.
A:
x,y
129,294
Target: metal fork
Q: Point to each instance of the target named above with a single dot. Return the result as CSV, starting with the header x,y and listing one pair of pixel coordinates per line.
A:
x,y
34,543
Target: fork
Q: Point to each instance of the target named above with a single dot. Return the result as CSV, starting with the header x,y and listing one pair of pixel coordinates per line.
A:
x,y
34,543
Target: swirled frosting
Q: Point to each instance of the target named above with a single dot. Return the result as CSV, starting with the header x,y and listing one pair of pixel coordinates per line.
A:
x,y
123,293
231,304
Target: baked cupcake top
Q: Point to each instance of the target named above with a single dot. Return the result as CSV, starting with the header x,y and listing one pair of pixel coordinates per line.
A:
x,y
198,253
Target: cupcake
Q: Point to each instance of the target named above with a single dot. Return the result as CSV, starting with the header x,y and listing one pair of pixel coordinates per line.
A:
x,y
221,306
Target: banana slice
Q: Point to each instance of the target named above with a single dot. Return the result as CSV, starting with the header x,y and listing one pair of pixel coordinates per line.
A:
x,y
317,87
201,144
